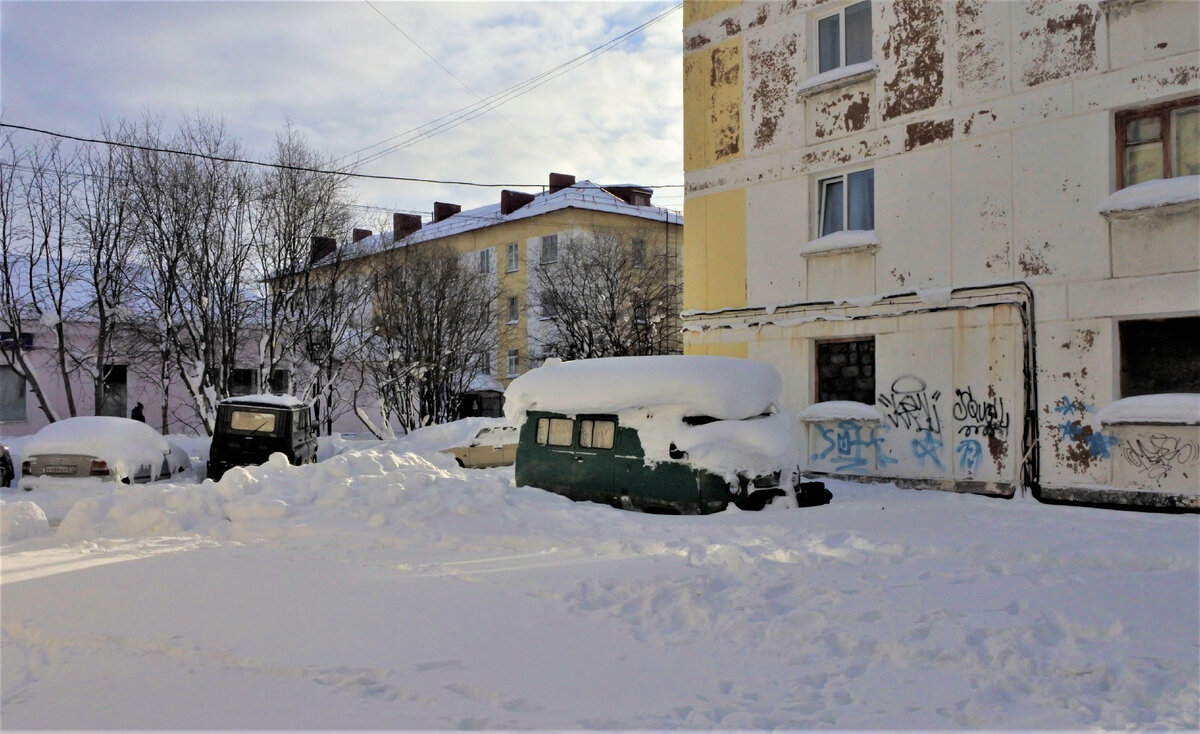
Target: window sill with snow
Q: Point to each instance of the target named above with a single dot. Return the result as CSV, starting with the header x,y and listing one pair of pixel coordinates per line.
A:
x,y
847,240
1161,196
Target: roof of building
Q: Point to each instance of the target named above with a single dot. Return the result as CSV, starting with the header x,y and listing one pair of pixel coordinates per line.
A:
x,y
581,195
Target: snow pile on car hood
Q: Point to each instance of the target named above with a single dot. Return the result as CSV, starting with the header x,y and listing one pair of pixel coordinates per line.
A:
x,y
654,394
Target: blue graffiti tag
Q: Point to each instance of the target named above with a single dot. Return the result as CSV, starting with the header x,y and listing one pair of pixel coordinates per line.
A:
x,y
847,444
929,446
970,455
1098,444
1067,406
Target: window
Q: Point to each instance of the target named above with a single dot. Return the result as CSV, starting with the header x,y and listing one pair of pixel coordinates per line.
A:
x,y
484,360
281,381
844,38
1158,142
12,395
846,370
1160,356
549,309
7,341
641,313
847,202
512,257
639,253
242,381
251,421
549,249
594,434
116,391
555,431
487,261
514,362
514,310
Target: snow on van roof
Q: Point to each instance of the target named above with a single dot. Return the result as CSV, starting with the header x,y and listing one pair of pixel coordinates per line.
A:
x,y
283,401
727,388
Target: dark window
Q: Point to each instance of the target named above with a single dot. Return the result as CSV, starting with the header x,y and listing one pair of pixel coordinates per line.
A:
x,y
639,253
7,341
116,391
1160,356
1162,141
281,381
846,370
549,249
242,381
12,395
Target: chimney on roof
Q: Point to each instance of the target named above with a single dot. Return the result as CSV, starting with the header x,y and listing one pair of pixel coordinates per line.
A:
x,y
321,247
510,201
635,195
361,234
442,210
559,181
404,224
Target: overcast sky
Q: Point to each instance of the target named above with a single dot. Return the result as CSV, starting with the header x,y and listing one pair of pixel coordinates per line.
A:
x,y
348,78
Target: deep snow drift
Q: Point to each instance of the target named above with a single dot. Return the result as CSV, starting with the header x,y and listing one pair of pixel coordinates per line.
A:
x,y
386,588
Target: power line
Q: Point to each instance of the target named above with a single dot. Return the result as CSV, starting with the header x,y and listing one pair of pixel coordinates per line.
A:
x,y
304,169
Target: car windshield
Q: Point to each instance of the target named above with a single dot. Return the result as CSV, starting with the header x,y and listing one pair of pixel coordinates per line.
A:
x,y
252,421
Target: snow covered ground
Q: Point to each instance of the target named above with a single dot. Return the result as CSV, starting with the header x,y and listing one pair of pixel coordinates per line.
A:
x,y
386,588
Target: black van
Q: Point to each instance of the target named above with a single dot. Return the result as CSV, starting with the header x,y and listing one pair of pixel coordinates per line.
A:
x,y
252,427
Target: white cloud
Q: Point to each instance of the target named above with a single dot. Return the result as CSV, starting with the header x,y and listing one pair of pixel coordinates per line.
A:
x,y
348,79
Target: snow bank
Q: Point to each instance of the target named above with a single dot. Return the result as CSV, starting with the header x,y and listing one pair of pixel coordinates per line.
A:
x,y
722,387
1177,408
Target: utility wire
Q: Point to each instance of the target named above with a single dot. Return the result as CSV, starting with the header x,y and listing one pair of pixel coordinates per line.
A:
x,y
220,159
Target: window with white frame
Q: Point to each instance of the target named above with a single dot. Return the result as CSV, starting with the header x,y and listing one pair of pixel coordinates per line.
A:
x,y
1162,141
549,249
512,257
514,362
12,395
514,310
844,38
847,201
487,261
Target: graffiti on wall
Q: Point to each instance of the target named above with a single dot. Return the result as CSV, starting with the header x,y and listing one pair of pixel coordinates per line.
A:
x,y
1084,444
980,418
911,406
970,455
1159,454
846,444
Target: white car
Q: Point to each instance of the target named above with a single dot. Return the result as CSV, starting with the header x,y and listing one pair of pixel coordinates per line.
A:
x,y
492,446
99,448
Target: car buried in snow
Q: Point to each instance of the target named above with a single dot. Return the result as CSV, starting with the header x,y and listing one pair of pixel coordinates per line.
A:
x,y
490,447
99,449
250,428
665,434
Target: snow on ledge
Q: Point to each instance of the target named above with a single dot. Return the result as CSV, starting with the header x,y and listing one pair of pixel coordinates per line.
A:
x,y
283,401
1167,408
1163,192
840,410
847,239
837,77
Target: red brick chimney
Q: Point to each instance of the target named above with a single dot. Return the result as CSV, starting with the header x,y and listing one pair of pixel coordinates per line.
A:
x,y
510,201
404,224
321,247
361,234
442,210
559,181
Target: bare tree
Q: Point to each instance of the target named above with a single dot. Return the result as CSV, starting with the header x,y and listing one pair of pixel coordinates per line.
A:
x,y
607,294
434,331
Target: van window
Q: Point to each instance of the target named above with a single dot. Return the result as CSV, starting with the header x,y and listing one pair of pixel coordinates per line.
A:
x,y
555,431
252,421
596,434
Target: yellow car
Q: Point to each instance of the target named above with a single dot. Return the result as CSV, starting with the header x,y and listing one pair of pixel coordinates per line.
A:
x,y
492,446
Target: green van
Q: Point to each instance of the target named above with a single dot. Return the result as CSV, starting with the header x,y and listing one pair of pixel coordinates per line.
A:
x,y
661,457
252,427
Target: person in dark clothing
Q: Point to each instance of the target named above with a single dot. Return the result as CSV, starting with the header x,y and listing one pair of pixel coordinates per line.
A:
x,y
137,413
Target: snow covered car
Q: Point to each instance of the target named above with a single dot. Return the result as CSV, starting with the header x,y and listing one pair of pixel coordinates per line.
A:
x,y
672,434
252,427
491,446
102,448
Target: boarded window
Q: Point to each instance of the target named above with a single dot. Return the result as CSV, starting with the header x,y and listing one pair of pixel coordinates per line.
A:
x,y
846,370
1160,356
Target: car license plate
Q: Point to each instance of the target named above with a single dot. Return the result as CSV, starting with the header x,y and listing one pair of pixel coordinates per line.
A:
x,y
59,470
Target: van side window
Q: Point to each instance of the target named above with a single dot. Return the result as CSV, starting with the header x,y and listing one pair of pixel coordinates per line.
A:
x,y
555,431
597,434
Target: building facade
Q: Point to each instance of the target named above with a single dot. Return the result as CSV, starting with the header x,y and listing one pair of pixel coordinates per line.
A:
x,y
967,233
